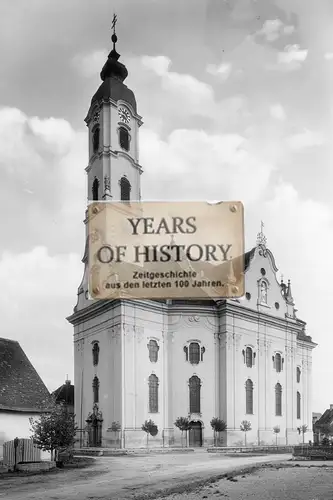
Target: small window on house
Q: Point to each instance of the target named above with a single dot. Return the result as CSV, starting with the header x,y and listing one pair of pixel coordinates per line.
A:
x,y
298,374
249,396
153,351
95,352
278,400
96,134
194,388
95,188
96,390
124,138
125,189
153,393
298,405
194,353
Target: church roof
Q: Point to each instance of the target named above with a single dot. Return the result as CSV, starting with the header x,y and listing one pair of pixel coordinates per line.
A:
x,y
113,75
65,393
21,388
114,89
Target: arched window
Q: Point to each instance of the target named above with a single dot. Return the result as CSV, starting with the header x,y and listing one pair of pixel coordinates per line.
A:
x,y
298,405
95,187
153,351
194,386
125,189
249,397
95,352
278,362
186,352
194,353
124,138
249,357
278,400
96,134
96,389
298,374
153,393
263,292
203,350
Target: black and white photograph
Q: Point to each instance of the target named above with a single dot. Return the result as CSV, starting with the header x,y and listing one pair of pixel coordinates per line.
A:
x,y
167,220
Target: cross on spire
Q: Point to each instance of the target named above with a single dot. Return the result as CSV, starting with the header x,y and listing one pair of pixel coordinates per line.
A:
x,y
113,27
114,22
261,238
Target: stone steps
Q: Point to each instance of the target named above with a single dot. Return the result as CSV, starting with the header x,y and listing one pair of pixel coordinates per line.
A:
x,y
109,452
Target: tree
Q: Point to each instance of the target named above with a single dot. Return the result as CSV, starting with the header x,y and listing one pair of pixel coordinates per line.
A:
x,y
54,430
245,426
115,427
326,430
150,428
183,424
276,431
302,429
218,426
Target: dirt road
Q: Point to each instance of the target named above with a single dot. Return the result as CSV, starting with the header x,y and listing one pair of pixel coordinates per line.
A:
x,y
127,477
306,482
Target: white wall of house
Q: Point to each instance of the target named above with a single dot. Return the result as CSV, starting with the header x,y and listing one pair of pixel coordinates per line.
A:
x,y
16,424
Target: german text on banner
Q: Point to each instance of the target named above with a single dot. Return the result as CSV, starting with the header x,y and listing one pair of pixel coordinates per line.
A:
x,y
166,250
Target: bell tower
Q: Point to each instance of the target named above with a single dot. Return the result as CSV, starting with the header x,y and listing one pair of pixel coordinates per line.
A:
x,y
113,169
113,124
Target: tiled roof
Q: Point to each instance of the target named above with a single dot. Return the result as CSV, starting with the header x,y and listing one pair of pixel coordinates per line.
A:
x,y
65,393
325,419
21,388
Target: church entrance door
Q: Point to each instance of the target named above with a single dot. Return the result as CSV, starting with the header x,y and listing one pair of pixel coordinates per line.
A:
x,y
95,434
195,435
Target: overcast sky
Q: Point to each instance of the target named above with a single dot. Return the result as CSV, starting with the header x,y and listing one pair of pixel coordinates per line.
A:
x,y
236,97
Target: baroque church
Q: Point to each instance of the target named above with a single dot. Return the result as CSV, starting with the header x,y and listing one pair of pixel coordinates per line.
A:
x,y
134,360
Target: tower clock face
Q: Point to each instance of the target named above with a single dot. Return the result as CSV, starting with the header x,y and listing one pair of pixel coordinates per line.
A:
x,y
124,115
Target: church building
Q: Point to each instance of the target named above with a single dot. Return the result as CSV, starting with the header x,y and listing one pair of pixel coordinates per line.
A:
x,y
236,359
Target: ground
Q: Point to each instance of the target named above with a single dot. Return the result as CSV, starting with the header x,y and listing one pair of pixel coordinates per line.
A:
x,y
151,476
269,483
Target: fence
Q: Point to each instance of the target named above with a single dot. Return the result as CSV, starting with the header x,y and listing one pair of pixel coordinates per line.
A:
x,y
26,451
307,451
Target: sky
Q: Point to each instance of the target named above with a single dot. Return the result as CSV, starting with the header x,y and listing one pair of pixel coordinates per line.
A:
x,y
236,99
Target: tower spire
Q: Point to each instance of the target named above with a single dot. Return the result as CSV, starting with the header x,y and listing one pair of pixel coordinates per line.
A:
x,y
114,38
113,68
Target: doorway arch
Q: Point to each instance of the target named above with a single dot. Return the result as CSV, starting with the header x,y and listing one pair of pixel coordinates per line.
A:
x,y
195,434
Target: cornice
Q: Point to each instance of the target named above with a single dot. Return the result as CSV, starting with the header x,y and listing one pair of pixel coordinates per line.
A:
x,y
253,315
107,152
100,306
305,343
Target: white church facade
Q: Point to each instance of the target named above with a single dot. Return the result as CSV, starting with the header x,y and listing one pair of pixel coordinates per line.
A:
x,y
236,359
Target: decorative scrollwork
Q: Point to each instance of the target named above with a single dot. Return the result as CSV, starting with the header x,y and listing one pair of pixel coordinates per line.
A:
x,y
262,251
96,116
